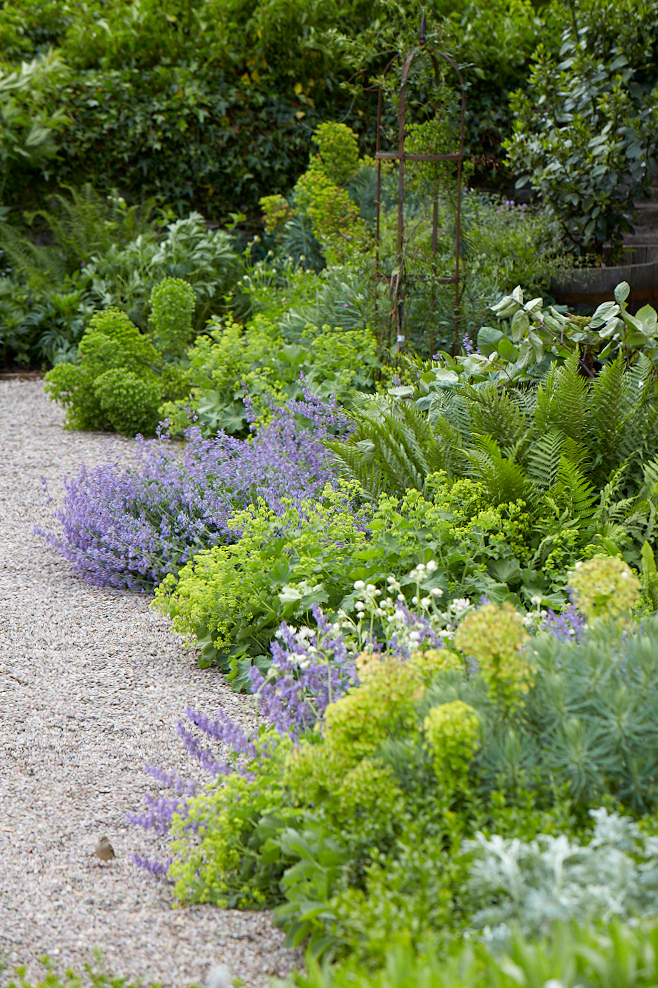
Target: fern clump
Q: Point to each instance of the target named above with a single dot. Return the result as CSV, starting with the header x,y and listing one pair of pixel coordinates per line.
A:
x,y
114,385
579,455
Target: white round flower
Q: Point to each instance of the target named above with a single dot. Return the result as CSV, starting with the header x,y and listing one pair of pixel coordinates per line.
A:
x,y
425,602
360,606
436,592
414,600
432,566
359,585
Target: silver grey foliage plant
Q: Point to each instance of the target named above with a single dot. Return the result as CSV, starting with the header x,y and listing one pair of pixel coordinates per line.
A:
x,y
529,885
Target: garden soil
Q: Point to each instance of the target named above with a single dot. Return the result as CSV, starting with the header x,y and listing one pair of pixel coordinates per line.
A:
x,y
92,685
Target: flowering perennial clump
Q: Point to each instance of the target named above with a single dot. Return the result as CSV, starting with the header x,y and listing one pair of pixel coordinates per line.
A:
x,y
309,671
452,733
128,527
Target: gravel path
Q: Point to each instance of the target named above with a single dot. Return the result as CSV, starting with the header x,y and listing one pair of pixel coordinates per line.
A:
x,y
92,683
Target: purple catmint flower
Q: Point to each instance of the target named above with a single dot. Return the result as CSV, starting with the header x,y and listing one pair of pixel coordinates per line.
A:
x,y
182,787
159,813
157,868
224,729
128,527
44,487
309,671
203,756
569,625
467,343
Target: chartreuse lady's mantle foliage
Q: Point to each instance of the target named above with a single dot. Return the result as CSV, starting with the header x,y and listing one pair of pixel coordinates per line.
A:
x,y
234,596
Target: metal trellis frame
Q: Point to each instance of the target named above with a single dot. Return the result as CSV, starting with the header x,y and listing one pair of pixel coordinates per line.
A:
x,y
402,156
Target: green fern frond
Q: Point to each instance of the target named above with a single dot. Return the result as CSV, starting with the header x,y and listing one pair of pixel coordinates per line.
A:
x,y
453,407
562,402
504,479
496,413
39,266
606,411
357,465
573,493
544,459
393,448
85,223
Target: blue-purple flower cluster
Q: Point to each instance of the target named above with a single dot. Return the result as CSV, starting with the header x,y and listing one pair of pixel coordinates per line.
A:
x,y
129,527
222,729
569,625
310,669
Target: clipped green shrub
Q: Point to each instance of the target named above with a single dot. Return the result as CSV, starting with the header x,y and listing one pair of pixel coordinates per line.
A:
x,y
129,401
114,385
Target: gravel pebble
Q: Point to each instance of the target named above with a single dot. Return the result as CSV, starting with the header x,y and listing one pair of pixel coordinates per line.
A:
x,y
92,684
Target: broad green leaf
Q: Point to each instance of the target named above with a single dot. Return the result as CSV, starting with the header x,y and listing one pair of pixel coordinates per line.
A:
x,y
445,378
520,325
648,319
649,569
404,390
476,364
622,291
507,350
537,346
487,339
603,313
505,308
